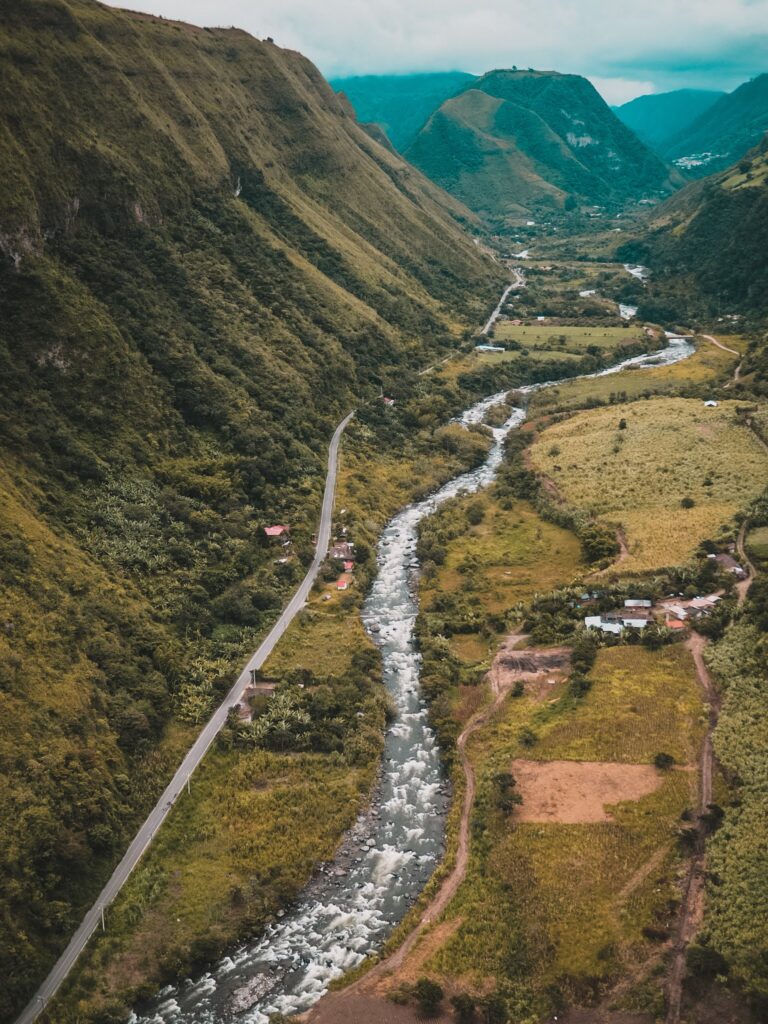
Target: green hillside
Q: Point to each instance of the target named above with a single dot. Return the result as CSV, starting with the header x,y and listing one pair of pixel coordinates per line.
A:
x,y
707,245
204,262
659,118
519,140
724,132
400,104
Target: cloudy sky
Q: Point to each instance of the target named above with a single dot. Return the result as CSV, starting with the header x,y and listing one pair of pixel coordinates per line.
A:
x,y
627,48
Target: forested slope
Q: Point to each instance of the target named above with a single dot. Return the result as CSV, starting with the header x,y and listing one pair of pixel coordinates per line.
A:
x,y
516,140
204,262
707,245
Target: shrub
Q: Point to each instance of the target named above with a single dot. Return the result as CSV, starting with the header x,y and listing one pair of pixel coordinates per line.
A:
x,y
429,995
663,761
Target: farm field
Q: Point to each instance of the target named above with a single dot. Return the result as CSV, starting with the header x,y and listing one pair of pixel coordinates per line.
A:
x,y
563,902
672,477
498,563
553,336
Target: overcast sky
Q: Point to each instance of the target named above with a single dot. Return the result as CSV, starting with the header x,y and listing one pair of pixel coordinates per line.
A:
x,y
627,47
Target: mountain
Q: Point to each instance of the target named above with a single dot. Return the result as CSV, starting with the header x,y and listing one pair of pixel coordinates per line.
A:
x,y
658,118
724,132
517,140
204,262
707,245
400,104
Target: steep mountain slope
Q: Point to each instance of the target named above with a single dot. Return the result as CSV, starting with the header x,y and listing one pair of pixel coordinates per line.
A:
x,y
517,140
658,118
707,245
725,132
400,104
204,262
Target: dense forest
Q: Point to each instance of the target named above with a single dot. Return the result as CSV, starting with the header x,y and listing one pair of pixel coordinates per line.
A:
x,y
204,263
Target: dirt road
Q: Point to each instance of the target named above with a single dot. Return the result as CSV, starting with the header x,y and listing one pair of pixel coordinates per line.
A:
x,y
725,348
692,905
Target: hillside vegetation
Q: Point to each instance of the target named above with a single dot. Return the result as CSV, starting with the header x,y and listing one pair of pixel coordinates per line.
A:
x,y
204,262
707,244
516,140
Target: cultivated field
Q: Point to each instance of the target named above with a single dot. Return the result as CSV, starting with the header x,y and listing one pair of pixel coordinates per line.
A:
x,y
671,453
559,893
570,338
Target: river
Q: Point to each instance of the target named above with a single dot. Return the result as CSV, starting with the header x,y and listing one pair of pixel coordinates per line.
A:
x,y
351,906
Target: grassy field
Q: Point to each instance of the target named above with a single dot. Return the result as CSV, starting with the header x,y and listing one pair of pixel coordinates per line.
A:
x,y
564,905
708,365
672,450
499,563
569,338
757,543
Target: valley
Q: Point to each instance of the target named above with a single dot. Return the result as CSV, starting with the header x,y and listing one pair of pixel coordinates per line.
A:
x,y
383,515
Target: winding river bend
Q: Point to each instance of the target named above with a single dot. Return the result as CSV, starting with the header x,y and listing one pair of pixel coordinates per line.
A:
x,y
352,905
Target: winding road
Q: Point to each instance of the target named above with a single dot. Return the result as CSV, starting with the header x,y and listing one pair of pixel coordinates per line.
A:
x,y
195,755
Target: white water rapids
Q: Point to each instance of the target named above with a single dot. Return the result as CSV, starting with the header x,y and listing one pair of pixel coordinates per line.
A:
x,y
351,906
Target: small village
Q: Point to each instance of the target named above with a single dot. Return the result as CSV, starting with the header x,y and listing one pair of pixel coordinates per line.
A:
x,y
675,612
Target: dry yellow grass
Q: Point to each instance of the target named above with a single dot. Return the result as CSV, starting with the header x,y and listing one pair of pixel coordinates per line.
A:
x,y
672,449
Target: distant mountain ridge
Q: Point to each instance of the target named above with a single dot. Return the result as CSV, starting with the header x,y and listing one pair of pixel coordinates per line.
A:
x,y
724,132
400,104
658,118
514,140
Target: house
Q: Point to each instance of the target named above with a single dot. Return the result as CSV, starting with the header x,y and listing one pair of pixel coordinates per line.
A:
x,y
711,404
349,566
342,584
490,348
387,401
638,602
343,550
729,563
617,621
277,532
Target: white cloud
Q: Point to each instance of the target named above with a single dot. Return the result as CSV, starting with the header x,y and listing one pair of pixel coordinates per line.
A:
x,y
621,90
718,42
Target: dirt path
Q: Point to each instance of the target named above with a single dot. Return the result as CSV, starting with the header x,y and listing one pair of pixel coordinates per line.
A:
x,y
621,540
692,905
743,585
725,348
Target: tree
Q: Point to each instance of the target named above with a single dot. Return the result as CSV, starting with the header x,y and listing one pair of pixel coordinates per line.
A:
x,y
687,502
429,995
506,797
663,761
464,1005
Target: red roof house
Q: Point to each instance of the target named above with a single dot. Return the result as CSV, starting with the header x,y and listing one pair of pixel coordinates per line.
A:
x,y
276,531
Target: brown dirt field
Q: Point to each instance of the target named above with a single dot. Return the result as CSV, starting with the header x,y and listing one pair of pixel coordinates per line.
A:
x,y
349,1008
573,792
599,1016
539,670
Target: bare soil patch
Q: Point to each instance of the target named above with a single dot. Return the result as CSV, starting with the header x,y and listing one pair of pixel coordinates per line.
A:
x,y
538,670
573,792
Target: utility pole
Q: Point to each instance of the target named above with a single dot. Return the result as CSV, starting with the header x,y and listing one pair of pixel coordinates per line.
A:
x,y
103,923
188,789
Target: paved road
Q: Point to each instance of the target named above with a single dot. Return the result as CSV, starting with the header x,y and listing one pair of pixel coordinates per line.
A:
x,y
175,788
519,282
